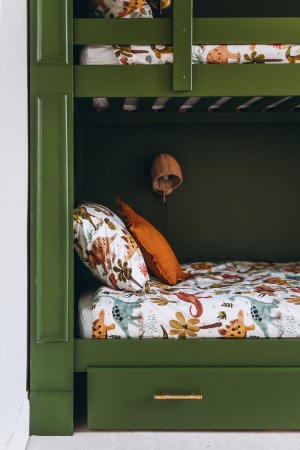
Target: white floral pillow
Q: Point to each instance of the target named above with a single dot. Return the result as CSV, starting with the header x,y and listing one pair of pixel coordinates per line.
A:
x,y
108,249
111,9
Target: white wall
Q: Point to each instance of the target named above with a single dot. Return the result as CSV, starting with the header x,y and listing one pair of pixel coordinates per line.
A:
x,y
14,409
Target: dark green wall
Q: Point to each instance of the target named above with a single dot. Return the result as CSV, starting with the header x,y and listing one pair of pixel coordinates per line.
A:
x,y
238,8
220,8
240,198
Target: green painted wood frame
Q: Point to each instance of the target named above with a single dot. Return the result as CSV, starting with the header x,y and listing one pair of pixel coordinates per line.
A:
x,y
205,80
51,200
51,205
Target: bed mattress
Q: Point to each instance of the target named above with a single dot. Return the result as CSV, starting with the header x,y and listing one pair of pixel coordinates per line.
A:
x,y
226,300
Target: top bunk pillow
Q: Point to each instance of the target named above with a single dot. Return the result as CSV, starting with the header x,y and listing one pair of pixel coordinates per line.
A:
x,y
157,252
107,248
112,9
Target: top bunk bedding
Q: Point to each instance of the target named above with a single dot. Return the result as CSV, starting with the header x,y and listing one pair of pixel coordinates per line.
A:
x,y
201,54
163,54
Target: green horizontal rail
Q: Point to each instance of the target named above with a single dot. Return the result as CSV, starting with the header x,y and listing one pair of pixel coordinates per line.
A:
x,y
107,32
208,80
205,31
192,352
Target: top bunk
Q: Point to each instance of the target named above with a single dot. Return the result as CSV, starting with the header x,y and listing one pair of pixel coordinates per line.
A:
x,y
190,23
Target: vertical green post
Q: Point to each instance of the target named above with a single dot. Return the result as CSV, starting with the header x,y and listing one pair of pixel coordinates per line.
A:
x,y
182,42
51,204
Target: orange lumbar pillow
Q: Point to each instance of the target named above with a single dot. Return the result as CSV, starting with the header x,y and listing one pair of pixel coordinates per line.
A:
x,y
157,253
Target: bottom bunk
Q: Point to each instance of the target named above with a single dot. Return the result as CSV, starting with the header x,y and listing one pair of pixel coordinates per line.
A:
x,y
238,202
229,300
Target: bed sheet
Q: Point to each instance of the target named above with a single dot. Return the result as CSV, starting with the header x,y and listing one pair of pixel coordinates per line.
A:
x,y
219,300
201,54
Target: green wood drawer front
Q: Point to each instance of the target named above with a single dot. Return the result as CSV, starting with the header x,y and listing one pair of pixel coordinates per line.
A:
x,y
233,398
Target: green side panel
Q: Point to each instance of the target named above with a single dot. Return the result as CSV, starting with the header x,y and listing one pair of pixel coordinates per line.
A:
x,y
182,45
51,205
219,80
52,32
191,353
52,246
51,413
232,398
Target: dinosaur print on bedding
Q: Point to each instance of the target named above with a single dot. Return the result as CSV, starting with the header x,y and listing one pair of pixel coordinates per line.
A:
x,y
106,247
219,300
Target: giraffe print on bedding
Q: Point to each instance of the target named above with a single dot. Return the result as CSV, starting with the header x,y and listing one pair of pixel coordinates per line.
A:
x,y
227,300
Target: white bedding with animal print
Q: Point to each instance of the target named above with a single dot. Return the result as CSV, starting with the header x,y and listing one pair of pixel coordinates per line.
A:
x,y
226,300
201,54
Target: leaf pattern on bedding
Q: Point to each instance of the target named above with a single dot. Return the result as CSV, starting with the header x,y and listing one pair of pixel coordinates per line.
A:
x,y
210,54
262,299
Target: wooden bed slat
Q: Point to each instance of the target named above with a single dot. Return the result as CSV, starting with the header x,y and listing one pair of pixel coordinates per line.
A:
x,y
287,105
174,104
233,104
261,104
204,103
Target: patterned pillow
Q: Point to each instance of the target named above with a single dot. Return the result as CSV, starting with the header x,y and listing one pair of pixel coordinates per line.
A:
x,y
107,249
111,9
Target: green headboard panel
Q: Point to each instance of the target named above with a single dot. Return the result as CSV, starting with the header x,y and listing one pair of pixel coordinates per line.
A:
x,y
240,198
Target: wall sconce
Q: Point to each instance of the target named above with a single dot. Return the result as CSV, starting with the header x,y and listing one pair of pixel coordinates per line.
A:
x,y
160,4
166,175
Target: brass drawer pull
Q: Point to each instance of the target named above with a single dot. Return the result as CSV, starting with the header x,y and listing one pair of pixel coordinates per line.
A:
x,y
178,397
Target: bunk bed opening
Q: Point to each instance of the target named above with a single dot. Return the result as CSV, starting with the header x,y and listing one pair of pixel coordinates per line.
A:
x,y
246,100
238,200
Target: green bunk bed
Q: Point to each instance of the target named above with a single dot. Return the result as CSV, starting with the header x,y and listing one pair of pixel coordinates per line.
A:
x,y
240,197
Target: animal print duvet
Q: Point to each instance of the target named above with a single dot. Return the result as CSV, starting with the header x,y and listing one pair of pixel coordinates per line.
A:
x,y
201,54
226,300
